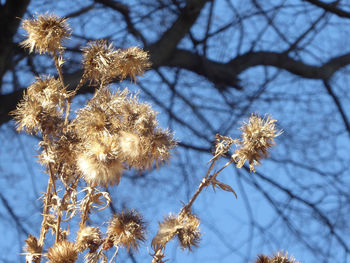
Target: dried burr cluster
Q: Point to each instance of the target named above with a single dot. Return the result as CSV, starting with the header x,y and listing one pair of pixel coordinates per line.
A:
x,y
112,133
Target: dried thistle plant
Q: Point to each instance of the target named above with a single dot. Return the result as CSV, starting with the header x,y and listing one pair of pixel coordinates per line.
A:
x,y
112,133
257,137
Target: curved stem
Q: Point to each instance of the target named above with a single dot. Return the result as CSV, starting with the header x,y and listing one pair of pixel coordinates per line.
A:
x,y
86,208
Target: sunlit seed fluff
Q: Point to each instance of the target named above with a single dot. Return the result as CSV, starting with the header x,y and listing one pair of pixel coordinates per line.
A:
x,y
88,238
62,252
257,137
132,62
99,62
96,172
102,146
45,33
130,145
127,229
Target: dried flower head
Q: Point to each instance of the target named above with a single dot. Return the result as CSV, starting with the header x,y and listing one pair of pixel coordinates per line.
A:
x,y
48,91
32,117
281,257
46,33
134,137
130,145
276,258
62,252
189,235
41,107
97,172
88,238
257,137
184,226
223,144
99,62
131,62
33,249
262,259
127,229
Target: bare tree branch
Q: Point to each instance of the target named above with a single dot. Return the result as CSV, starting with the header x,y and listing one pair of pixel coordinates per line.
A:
x,y
330,7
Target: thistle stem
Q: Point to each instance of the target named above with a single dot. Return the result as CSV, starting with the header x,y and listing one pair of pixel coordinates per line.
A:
x,y
60,76
205,182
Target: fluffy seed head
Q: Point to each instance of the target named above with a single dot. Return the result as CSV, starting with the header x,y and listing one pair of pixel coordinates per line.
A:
x,y
129,144
47,91
88,238
257,137
280,257
62,252
276,258
32,117
138,142
127,229
97,172
99,62
41,106
131,62
45,33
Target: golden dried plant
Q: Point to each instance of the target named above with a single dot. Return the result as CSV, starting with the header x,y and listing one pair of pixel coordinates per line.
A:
x,y
113,132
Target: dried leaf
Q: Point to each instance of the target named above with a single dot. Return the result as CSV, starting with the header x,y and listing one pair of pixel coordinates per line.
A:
x,y
223,186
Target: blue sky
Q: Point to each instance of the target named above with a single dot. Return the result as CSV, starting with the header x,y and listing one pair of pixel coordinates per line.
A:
x,y
303,161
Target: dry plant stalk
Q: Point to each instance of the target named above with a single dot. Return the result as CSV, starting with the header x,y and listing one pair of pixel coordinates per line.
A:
x,y
113,132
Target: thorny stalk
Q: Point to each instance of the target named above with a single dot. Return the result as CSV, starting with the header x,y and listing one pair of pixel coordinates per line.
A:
x,y
204,183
